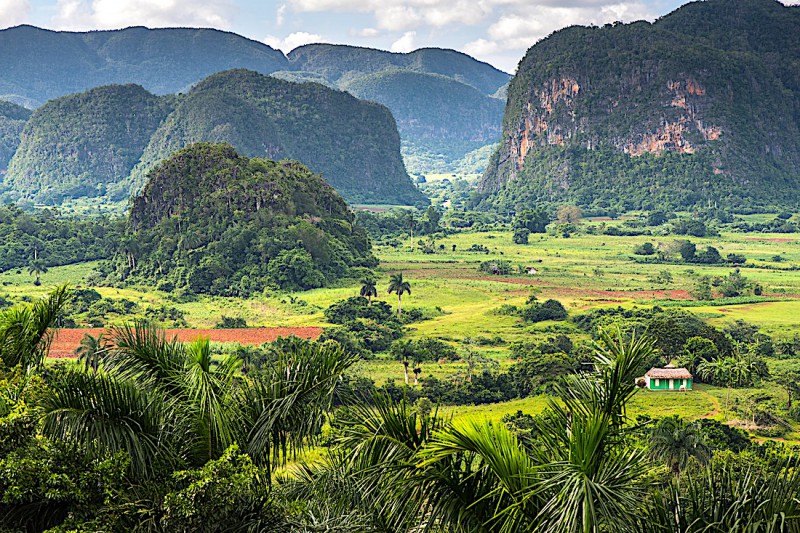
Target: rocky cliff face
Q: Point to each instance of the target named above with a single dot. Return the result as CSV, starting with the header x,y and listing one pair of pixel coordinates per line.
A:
x,y
645,91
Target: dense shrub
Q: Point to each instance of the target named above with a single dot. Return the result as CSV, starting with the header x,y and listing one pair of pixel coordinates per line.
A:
x,y
547,310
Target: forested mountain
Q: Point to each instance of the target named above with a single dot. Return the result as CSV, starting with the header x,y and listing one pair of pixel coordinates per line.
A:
x,y
702,106
342,63
104,141
39,65
12,121
354,144
212,221
80,144
440,119
444,101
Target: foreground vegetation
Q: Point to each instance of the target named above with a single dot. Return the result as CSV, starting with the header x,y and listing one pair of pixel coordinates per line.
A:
x,y
464,347
158,436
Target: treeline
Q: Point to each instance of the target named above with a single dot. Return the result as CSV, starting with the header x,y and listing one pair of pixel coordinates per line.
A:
x,y
46,237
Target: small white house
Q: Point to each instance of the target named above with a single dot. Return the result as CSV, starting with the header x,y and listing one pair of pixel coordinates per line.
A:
x,y
668,378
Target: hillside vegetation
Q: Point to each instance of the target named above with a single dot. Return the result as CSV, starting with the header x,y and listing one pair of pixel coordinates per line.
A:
x,y
103,142
78,145
12,121
212,221
702,106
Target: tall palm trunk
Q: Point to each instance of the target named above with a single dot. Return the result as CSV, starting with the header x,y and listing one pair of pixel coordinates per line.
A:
x,y
399,305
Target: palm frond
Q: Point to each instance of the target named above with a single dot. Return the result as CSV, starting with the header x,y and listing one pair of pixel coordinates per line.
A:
x,y
105,415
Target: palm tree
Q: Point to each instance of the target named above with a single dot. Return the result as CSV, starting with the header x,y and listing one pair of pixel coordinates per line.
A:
x,y
37,268
368,289
91,351
729,494
417,372
166,404
582,476
399,287
789,380
720,372
209,388
27,330
675,442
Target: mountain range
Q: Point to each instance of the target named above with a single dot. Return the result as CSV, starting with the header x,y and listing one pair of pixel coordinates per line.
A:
x,y
40,65
103,142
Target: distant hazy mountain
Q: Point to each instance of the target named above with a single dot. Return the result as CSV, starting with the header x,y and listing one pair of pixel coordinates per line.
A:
x,y
444,101
104,141
701,107
439,118
341,63
39,65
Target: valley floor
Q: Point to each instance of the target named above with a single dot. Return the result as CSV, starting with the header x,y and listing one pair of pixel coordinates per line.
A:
x,y
583,272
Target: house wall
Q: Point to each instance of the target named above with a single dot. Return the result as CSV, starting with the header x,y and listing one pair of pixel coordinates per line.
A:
x,y
663,384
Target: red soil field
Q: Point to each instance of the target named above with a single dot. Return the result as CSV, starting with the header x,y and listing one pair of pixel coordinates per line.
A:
x,y
67,340
771,239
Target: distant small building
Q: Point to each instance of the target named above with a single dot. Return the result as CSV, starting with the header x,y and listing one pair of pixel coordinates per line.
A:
x,y
668,378
531,271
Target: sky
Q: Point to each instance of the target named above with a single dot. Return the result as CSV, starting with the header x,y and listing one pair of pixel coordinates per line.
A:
x,y
496,31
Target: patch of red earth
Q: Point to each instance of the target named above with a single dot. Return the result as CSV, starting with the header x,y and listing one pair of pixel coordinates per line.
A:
x,y
513,281
771,239
67,340
616,296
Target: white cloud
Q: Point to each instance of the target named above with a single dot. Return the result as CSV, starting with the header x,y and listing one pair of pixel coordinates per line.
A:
x,y
405,43
13,12
107,14
407,14
292,41
521,27
280,14
369,33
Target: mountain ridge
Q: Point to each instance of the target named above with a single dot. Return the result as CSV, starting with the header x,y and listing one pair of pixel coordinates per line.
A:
x,y
80,146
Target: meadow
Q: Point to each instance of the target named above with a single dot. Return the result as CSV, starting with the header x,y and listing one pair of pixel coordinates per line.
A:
x,y
584,271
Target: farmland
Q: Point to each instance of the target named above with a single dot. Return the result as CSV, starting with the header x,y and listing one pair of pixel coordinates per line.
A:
x,y
583,272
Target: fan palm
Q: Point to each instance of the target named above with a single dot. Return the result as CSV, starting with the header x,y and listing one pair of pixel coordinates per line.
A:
x,y
91,350
27,330
368,289
675,442
399,287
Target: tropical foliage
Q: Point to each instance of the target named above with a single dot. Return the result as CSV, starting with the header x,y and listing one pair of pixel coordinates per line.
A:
x,y
230,225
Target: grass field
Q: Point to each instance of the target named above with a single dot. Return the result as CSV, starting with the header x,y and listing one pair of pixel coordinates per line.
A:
x,y
583,272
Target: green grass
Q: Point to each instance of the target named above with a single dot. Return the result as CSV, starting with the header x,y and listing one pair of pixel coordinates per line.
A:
x,y
583,272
